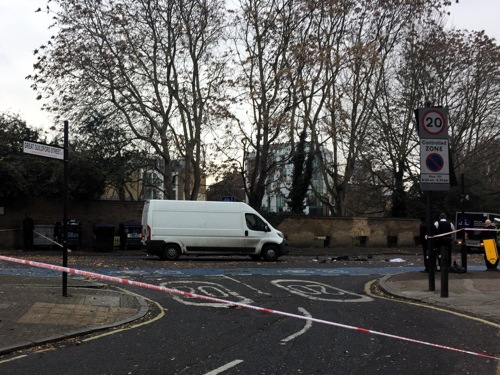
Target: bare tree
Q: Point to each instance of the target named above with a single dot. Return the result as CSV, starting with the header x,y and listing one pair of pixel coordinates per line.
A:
x,y
350,99
312,54
465,71
368,44
346,73
152,65
263,34
392,145
454,69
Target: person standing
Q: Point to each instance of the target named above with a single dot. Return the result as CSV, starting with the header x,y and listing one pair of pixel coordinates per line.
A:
x,y
444,228
28,228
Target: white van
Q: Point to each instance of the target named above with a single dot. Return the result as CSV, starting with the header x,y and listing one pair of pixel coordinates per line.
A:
x,y
171,228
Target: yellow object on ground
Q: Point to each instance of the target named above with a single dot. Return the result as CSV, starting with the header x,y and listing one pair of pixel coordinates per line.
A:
x,y
490,250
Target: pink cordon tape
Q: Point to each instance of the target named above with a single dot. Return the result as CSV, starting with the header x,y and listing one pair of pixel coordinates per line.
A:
x,y
464,229
212,299
51,240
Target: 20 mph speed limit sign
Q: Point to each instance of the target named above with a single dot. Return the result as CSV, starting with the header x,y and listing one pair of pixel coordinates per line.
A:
x,y
434,153
433,123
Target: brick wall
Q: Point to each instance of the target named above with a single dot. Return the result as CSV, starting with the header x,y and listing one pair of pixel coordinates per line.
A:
x,y
45,211
304,231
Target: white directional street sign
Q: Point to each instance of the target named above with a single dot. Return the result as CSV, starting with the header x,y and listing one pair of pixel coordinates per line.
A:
x,y
44,150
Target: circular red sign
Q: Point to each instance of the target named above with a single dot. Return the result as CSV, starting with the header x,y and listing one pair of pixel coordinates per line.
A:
x,y
433,122
434,162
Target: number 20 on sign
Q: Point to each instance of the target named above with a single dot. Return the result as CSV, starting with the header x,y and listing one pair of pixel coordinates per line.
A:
x,y
433,123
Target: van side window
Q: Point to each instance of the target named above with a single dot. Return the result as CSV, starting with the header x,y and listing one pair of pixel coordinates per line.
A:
x,y
255,223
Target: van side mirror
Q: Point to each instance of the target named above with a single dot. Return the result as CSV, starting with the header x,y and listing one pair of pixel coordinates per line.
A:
x,y
266,228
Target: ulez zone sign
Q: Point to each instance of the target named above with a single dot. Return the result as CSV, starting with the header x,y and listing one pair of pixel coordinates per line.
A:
x,y
434,155
41,149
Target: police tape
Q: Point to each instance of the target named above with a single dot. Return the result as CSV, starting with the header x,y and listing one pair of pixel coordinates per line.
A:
x,y
479,229
435,236
231,303
463,229
50,240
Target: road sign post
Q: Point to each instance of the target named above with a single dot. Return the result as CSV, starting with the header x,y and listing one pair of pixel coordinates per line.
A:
x,y
48,151
432,124
65,213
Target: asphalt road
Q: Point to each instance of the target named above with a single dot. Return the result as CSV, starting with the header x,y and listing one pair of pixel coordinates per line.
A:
x,y
191,336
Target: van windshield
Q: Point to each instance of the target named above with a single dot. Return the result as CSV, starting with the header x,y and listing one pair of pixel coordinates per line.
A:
x,y
255,223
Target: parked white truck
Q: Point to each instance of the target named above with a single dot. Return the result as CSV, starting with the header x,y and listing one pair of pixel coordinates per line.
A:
x,y
172,228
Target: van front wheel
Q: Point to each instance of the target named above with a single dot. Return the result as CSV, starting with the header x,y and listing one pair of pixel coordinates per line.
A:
x,y
171,252
270,253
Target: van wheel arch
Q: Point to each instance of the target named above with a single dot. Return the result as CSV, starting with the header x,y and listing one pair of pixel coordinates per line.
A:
x,y
170,251
270,252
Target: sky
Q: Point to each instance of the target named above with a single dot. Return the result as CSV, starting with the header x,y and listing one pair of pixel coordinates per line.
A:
x,y
22,30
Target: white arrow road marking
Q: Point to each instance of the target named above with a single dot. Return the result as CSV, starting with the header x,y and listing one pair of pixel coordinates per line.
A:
x,y
303,330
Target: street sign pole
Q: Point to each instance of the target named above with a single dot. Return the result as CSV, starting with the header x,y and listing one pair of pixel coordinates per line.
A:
x,y
432,129
430,243
463,248
65,213
54,152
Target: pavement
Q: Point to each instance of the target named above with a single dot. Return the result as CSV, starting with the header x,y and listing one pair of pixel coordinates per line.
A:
x,y
33,310
474,293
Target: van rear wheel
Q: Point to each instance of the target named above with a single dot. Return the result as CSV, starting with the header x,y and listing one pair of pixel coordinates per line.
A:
x,y
270,253
171,252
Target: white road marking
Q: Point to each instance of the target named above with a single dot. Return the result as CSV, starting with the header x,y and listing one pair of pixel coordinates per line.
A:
x,y
248,286
303,330
14,358
118,330
225,367
319,291
75,271
204,288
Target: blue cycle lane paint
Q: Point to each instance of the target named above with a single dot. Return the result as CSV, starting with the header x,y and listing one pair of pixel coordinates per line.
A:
x,y
151,272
